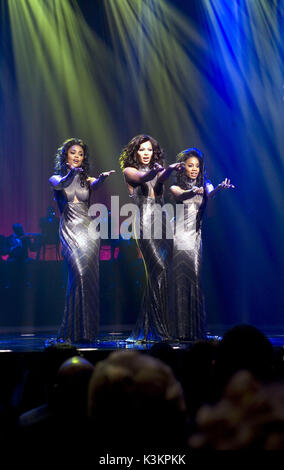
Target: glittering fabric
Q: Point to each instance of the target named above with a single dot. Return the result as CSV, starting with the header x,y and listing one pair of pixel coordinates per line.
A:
x,y
81,252
189,311
153,323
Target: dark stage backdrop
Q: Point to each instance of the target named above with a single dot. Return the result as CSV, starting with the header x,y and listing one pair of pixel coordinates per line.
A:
x,y
198,73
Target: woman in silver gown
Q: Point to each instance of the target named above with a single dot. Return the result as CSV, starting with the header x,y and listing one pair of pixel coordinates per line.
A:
x,y
191,192
72,188
141,161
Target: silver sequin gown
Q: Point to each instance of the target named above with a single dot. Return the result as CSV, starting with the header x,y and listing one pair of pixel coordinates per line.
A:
x,y
81,252
153,322
188,308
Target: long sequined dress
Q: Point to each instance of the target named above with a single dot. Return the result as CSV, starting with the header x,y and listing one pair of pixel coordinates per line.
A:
x,y
189,310
81,252
153,322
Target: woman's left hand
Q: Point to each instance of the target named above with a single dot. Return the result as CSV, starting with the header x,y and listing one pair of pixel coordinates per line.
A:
x,y
226,184
102,176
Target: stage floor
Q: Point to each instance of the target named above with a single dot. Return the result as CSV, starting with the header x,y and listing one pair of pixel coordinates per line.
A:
x,y
35,342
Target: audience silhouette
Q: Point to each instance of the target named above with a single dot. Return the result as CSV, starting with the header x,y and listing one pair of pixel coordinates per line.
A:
x,y
211,396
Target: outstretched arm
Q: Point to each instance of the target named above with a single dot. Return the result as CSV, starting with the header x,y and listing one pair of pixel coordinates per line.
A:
x,y
168,171
61,182
211,191
97,182
134,176
182,195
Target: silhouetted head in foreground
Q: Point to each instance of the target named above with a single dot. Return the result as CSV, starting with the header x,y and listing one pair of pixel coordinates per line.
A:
x,y
166,353
249,416
135,402
71,388
244,347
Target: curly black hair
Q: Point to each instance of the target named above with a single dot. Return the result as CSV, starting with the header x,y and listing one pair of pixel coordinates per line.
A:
x,y
61,159
182,180
129,157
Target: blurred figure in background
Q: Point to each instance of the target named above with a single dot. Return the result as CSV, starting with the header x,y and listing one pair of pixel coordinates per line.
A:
x,y
3,252
49,226
18,246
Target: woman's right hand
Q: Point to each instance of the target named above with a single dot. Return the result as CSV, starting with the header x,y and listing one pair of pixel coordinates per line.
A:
x,y
178,166
158,168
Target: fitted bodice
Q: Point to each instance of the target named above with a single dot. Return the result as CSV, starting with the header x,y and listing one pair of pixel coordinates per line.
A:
x,y
188,221
67,195
141,193
75,189
195,202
